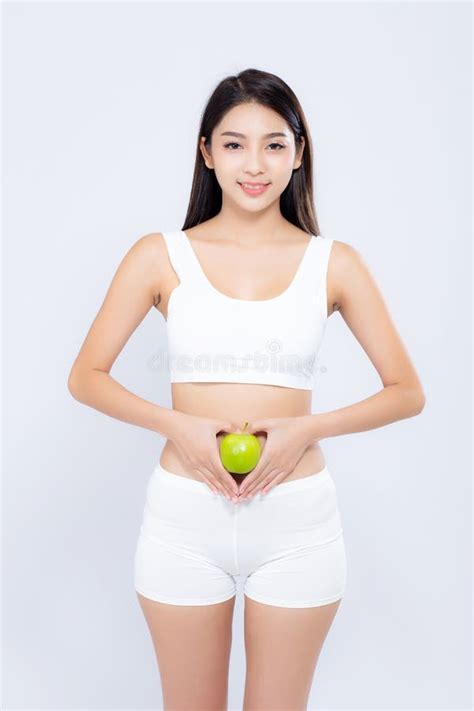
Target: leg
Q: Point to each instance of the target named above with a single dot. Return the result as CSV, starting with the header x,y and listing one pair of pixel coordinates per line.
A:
x,y
282,648
186,590
296,581
192,646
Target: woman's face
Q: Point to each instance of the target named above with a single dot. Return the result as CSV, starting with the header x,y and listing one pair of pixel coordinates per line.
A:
x,y
242,151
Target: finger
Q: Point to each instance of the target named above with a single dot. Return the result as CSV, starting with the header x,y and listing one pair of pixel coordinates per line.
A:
x,y
268,487
207,479
250,480
227,427
271,481
230,492
218,482
227,480
210,478
257,426
264,479
224,476
234,487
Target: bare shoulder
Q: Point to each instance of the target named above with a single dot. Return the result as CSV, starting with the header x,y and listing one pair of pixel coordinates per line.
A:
x,y
346,264
151,246
344,255
151,253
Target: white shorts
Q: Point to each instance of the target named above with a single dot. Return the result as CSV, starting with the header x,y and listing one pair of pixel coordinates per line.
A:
x,y
286,545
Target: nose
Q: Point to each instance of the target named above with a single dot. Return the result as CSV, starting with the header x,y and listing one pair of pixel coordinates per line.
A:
x,y
254,165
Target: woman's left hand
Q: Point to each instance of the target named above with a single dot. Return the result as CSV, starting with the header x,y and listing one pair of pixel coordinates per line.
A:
x,y
287,440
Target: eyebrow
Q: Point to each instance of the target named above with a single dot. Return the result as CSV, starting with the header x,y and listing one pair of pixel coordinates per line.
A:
x,y
267,135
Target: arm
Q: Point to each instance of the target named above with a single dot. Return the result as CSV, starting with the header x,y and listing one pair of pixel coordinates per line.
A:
x,y
132,293
363,309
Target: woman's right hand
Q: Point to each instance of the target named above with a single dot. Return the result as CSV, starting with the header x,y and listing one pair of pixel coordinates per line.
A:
x,y
195,438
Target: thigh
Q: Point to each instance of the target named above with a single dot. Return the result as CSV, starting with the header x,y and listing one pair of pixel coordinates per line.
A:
x,y
186,589
296,578
192,646
282,647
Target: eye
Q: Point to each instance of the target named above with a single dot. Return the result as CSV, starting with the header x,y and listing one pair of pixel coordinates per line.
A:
x,y
280,146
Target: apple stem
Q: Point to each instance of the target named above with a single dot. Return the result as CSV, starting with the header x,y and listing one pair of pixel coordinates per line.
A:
x,y
245,427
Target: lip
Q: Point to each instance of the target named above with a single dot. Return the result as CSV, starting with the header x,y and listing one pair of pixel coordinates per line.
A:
x,y
255,191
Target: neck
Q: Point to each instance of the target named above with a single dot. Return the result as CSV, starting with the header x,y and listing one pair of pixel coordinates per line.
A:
x,y
250,230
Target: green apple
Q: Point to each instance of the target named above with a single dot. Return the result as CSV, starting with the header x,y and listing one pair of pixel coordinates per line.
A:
x,y
240,451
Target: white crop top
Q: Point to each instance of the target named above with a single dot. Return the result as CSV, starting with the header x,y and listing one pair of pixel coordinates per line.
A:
x,y
217,338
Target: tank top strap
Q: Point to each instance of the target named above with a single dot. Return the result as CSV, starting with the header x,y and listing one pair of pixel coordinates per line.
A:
x,y
182,257
324,244
315,268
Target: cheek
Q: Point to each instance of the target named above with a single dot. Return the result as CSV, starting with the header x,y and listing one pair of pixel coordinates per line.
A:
x,y
281,168
225,171
287,166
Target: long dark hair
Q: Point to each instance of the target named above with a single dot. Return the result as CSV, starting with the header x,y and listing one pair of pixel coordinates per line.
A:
x,y
254,86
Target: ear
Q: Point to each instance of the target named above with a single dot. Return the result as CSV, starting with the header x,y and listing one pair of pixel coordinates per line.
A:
x,y
205,153
299,153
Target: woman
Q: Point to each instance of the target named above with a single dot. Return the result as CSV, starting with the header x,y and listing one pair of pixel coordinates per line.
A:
x,y
246,288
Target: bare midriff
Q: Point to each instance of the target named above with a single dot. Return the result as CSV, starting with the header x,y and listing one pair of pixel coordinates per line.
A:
x,y
240,402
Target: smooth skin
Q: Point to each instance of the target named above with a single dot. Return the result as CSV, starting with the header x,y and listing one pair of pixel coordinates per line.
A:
x,y
192,647
192,643
282,648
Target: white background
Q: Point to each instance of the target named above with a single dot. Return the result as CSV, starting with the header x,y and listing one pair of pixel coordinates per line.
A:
x,y
101,106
